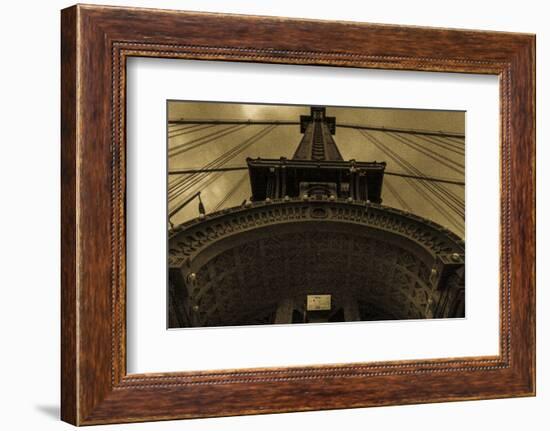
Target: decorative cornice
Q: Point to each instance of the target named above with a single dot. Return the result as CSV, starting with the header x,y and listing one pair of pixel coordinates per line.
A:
x,y
189,239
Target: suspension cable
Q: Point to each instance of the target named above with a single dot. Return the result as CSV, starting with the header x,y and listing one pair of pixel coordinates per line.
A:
x,y
445,161
439,190
188,171
238,121
430,141
172,128
394,156
424,178
223,159
405,131
455,139
216,163
182,205
436,189
220,161
197,142
451,143
343,125
231,192
187,131
399,199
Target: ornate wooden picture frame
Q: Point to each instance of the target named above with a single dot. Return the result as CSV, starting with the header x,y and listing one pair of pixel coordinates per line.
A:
x,y
96,41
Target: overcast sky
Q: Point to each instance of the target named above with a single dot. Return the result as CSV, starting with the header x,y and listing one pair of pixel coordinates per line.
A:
x,y
283,141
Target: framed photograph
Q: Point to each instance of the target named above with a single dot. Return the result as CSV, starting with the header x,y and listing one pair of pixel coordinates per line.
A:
x,y
266,215
323,246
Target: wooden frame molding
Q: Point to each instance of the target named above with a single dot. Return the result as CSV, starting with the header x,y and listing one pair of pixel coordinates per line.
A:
x,y
95,42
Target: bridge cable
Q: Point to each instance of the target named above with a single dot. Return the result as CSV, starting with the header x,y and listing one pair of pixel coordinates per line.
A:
x,y
442,210
230,194
450,143
397,196
188,171
202,140
445,161
222,160
453,201
216,163
439,133
187,131
173,128
429,142
410,168
459,205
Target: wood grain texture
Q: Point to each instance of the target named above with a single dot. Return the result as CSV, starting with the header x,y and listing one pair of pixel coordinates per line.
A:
x,y
96,41
69,398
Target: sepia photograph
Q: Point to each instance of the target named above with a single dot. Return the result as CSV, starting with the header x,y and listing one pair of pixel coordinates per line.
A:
x,y
286,214
261,214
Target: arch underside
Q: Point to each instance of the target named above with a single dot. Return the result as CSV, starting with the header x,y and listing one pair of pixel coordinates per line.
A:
x,y
264,275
